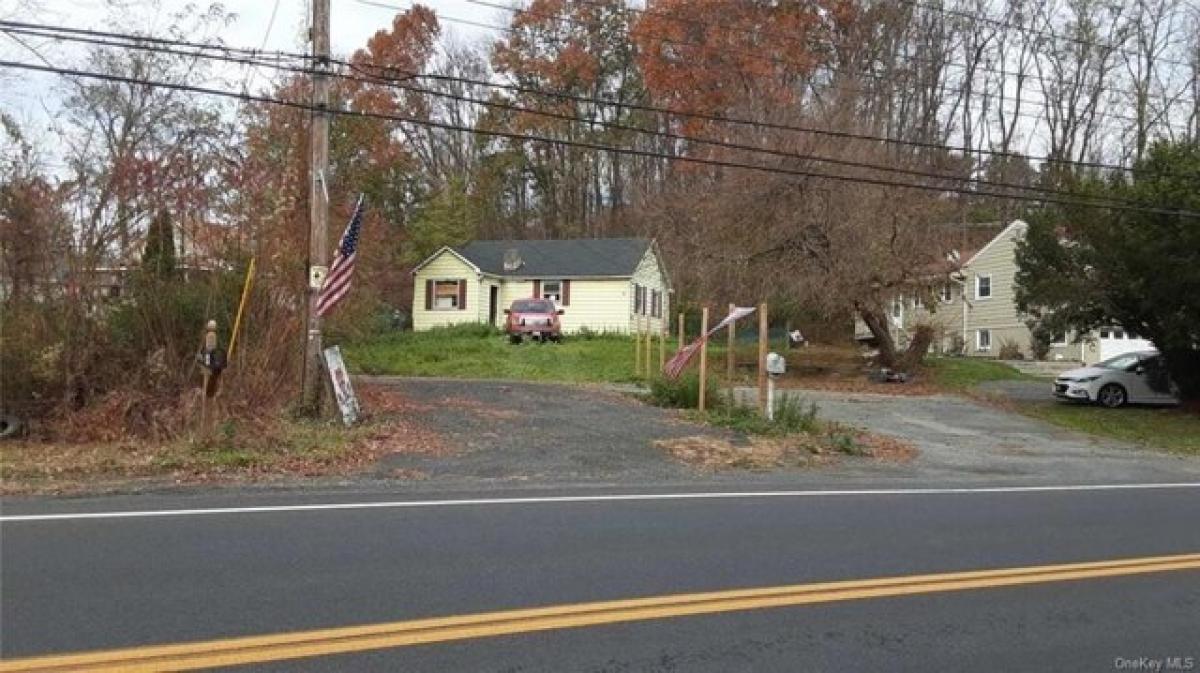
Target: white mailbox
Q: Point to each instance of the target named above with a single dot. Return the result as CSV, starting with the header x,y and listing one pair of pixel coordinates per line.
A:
x,y
776,365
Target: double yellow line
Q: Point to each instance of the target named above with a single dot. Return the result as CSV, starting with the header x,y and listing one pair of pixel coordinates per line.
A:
x,y
259,649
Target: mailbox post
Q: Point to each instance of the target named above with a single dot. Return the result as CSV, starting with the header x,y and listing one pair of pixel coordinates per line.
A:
x,y
776,367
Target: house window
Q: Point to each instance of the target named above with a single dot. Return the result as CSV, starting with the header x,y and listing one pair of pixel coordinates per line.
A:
x,y
898,310
947,293
445,294
1058,339
552,290
655,304
1118,334
1103,334
917,303
637,299
983,340
983,287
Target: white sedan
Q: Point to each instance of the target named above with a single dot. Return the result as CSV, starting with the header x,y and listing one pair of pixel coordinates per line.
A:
x,y
1138,378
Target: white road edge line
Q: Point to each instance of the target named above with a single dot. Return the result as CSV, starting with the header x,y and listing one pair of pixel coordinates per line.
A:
x,y
399,504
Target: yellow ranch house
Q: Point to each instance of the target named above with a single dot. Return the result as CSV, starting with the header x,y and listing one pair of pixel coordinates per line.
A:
x,y
602,285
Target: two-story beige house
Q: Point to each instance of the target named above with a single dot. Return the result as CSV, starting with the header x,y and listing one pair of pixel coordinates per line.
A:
x,y
973,310
617,285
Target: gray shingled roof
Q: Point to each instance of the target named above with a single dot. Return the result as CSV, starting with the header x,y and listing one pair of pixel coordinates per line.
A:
x,y
558,259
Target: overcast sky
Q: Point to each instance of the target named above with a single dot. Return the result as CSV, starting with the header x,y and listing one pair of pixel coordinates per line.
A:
x,y
29,96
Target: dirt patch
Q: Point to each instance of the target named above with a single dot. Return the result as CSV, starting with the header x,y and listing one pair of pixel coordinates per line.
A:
x,y
799,450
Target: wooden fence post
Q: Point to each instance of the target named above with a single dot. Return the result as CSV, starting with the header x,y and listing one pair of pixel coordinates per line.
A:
x,y
649,342
703,356
763,331
637,346
731,349
662,345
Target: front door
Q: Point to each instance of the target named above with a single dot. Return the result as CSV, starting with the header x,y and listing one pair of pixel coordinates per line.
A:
x,y
493,299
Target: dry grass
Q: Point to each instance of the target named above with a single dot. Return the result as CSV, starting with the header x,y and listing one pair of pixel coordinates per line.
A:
x,y
256,450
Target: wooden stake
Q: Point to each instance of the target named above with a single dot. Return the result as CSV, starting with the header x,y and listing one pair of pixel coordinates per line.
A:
x,y
763,327
649,341
731,345
662,346
703,355
680,324
637,346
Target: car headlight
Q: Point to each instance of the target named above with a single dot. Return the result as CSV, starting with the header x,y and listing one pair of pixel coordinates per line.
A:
x,y
1087,379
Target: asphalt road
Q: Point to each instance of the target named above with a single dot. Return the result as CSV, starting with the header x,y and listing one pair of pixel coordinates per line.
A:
x,y
81,584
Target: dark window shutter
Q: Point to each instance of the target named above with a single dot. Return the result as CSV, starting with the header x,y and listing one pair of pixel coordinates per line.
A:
x,y
428,295
654,303
637,298
537,289
462,295
566,293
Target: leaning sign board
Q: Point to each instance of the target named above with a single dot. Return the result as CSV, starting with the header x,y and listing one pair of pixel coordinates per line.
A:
x,y
347,402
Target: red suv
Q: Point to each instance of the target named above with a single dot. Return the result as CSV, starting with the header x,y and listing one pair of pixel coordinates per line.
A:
x,y
533,318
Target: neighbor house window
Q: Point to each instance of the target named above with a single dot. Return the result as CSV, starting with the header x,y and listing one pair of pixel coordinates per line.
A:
x,y
655,304
446,294
1058,339
898,309
552,290
983,339
983,287
947,293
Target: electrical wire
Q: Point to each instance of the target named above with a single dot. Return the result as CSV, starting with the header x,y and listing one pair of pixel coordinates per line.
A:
x,y
246,97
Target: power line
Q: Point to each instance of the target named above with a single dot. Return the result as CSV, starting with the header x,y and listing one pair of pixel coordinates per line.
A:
x,y
1037,118
906,58
633,33
246,97
279,56
1045,34
394,83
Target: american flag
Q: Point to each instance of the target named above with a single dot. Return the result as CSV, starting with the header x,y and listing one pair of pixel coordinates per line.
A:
x,y
337,283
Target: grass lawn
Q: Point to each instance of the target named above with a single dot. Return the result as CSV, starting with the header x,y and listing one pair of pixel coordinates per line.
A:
x,y
964,373
476,352
1172,429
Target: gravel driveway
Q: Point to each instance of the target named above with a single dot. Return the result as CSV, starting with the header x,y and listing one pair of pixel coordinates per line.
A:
x,y
552,434
962,439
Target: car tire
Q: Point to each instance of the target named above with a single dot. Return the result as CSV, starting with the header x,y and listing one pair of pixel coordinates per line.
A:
x,y
1112,395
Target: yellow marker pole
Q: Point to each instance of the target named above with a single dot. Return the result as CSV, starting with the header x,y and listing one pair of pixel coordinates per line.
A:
x,y
703,356
237,322
763,328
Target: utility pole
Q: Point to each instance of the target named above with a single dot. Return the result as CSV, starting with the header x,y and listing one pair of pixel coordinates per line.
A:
x,y
318,212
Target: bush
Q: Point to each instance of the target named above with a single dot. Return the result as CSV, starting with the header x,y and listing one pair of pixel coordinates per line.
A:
x,y
1009,350
683,393
792,416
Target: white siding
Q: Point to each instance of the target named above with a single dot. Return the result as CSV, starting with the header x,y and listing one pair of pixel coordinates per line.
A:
x,y
447,266
650,274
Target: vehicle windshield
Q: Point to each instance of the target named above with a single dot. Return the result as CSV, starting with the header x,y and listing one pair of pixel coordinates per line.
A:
x,y
1121,361
533,306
